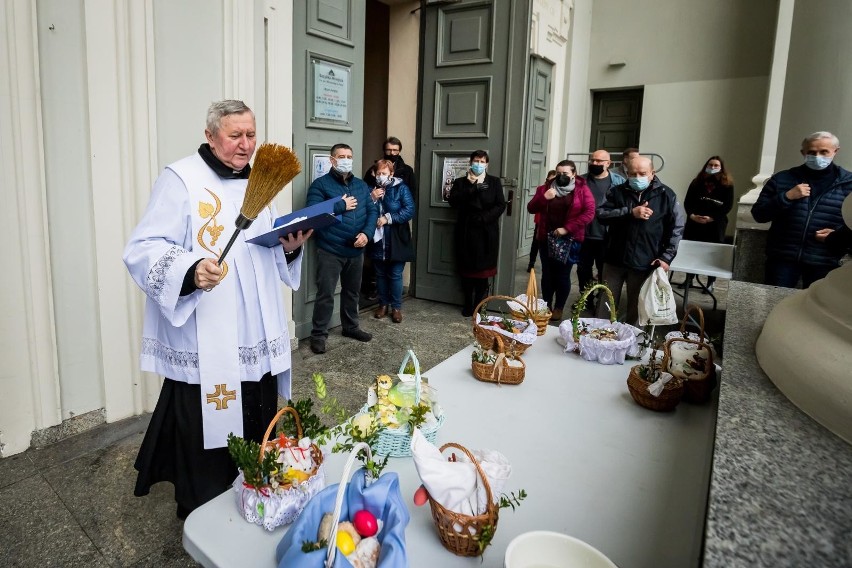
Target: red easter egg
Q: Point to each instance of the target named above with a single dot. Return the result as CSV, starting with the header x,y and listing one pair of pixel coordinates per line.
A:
x,y
365,523
421,496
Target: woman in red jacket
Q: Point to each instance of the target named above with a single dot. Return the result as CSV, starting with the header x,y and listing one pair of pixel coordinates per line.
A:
x,y
566,206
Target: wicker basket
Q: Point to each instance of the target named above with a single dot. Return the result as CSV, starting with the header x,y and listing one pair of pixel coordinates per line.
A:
x,y
668,399
697,389
531,302
460,533
487,336
396,442
282,505
501,371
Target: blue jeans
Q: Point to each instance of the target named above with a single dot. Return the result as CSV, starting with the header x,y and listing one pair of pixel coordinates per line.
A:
x,y
389,282
786,273
555,279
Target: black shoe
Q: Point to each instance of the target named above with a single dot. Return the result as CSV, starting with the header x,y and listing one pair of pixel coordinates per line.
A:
x,y
358,334
318,345
182,512
467,312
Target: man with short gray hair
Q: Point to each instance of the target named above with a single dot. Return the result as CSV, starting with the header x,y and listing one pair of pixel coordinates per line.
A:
x,y
803,205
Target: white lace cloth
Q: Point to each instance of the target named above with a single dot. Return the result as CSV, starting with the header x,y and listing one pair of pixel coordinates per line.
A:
x,y
526,336
604,352
276,508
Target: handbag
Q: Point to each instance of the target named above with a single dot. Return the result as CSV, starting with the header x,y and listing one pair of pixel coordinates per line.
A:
x,y
401,249
656,300
564,249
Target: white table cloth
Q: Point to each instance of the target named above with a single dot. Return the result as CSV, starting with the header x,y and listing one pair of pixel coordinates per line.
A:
x,y
631,482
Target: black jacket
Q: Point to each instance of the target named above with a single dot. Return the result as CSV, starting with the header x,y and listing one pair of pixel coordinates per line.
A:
x,y
477,229
707,196
795,223
636,243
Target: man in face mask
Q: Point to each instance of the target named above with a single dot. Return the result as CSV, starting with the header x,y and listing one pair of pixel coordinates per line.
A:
x,y
600,180
645,224
392,152
340,247
803,205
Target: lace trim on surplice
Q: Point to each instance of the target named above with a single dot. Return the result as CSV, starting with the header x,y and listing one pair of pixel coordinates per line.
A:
x,y
156,279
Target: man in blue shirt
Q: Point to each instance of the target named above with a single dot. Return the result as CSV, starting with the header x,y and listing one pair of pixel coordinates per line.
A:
x,y
340,247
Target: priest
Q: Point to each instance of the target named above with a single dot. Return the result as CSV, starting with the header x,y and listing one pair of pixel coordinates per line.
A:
x,y
218,334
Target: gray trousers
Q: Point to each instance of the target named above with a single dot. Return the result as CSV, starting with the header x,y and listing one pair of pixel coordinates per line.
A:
x,y
615,277
330,269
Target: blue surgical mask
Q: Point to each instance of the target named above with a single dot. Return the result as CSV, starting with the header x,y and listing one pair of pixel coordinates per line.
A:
x,y
817,162
638,183
478,168
712,171
344,165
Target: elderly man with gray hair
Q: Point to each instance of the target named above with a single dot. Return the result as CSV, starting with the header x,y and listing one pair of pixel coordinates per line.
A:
x,y
803,205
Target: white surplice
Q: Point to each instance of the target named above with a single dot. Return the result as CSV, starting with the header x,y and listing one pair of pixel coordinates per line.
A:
x,y
165,245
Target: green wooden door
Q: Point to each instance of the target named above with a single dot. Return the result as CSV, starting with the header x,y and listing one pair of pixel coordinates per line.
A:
x,y
535,148
328,100
473,78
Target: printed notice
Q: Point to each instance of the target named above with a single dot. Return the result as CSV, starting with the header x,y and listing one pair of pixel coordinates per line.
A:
x,y
453,168
331,92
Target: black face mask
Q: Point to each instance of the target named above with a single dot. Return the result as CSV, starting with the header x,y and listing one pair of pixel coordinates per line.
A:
x,y
596,169
562,180
391,157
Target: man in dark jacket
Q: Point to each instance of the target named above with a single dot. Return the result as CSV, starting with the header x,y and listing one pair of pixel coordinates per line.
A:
x,y
645,224
600,180
801,203
340,247
401,170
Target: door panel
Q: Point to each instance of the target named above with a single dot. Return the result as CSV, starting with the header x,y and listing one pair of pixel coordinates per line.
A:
x,y
535,150
328,110
473,79
616,120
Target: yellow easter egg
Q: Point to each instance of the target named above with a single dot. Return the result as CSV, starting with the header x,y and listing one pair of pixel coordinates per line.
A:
x,y
345,543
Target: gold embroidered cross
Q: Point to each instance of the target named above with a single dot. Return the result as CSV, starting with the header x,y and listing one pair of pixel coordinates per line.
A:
x,y
221,396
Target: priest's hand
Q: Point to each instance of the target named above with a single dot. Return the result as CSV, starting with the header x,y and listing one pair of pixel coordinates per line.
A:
x,y
292,242
207,274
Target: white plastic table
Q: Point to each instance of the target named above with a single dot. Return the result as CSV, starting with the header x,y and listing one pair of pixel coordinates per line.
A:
x,y
631,482
695,258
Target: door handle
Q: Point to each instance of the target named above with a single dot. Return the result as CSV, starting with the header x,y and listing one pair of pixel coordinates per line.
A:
x,y
509,202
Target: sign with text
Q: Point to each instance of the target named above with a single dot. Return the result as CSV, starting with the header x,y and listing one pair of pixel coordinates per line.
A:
x,y
331,92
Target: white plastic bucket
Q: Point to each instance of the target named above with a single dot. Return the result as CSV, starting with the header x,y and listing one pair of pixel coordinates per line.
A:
x,y
547,549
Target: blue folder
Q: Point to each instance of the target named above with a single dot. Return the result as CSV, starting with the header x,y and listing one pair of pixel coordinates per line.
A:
x,y
314,217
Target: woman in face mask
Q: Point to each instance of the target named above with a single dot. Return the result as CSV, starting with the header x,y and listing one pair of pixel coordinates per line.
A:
x,y
708,200
391,247
478,198
565,206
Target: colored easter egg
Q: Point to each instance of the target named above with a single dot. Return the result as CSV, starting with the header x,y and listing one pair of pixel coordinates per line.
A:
x,y
365,523
421,496
345,543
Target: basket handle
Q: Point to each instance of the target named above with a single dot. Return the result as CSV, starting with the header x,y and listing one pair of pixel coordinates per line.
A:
x,y
532,292
667,350
488,496
693,308
417,378
341,493
272,424
575,317
485,301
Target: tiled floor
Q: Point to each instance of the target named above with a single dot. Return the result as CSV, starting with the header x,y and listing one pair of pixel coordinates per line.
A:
x,y
72,503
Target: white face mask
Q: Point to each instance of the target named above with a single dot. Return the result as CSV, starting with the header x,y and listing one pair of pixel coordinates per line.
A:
x,y
712,171
344,165
382,180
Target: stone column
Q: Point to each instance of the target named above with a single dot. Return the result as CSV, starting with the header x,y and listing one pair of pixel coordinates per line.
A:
x,y
750,237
